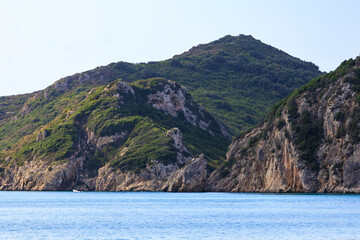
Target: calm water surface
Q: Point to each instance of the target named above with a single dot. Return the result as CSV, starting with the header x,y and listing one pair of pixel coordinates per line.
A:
x,y
109,215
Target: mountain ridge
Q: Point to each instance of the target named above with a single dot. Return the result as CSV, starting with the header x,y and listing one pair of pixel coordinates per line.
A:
x,y
242,71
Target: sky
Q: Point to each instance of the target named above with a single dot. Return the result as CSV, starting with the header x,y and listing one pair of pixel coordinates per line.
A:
x,y
42,41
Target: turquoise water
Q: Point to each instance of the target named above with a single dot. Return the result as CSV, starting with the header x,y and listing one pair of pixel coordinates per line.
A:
x,y
109,215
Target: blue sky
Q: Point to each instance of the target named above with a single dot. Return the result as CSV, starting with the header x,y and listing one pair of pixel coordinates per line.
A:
x,y
42,41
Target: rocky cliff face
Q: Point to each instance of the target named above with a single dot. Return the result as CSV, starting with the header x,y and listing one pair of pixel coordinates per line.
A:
x,y
121,137
158,177
185,175
310,142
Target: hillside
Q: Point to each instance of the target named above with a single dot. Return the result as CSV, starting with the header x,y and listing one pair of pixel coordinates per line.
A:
x,y
237,79
310,141
150,128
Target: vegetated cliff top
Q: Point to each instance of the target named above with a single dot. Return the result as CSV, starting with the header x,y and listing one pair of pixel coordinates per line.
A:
x,y
237,79
126,126
310,141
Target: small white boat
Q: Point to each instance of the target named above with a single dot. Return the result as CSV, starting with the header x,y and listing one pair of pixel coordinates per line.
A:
x,y
75,190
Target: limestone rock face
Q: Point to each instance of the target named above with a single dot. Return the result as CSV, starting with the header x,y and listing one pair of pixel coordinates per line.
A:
x,y
262,171
150,179
173,101
158,177
310,143
183,155
41,176
153,178
191,178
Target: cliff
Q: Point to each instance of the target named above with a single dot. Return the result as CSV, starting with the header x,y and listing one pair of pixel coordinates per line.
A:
x,y
310,141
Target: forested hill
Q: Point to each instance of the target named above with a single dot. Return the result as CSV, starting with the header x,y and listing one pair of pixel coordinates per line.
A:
x,y
237,79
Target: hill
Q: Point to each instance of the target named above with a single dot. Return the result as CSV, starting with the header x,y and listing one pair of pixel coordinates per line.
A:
x,y
310,141
150,128
237,79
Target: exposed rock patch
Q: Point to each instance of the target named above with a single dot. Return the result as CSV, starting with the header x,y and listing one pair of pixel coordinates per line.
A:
x,y
183,154
42,176
102,141
191,178
43,134
173,101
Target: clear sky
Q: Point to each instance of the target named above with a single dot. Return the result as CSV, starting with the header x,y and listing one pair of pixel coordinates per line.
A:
x,y
42,40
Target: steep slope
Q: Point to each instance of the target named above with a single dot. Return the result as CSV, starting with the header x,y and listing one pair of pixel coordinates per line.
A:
x,y
310,141
119,137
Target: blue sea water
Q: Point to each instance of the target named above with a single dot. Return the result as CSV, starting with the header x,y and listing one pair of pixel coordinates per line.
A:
x,y
145,215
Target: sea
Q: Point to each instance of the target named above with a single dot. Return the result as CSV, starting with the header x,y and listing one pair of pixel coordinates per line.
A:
x,y
158,215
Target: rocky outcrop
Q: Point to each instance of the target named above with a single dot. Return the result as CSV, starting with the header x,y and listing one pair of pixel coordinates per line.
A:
x,y
99,142
183,155
191,178
97,76
174,100
38,175
310,142
269,167
43,134
27,108
158,177
125,87
42,176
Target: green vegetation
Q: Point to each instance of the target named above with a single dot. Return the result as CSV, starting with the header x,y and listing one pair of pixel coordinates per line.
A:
x,y
321,82
38,110
308,130
281,123
146,142
351,127
308,137
237,79
110,111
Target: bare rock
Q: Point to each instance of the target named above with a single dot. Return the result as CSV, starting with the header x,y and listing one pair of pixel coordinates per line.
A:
x,y
183,154
173,101
125,87
103,141
43,134
191,178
